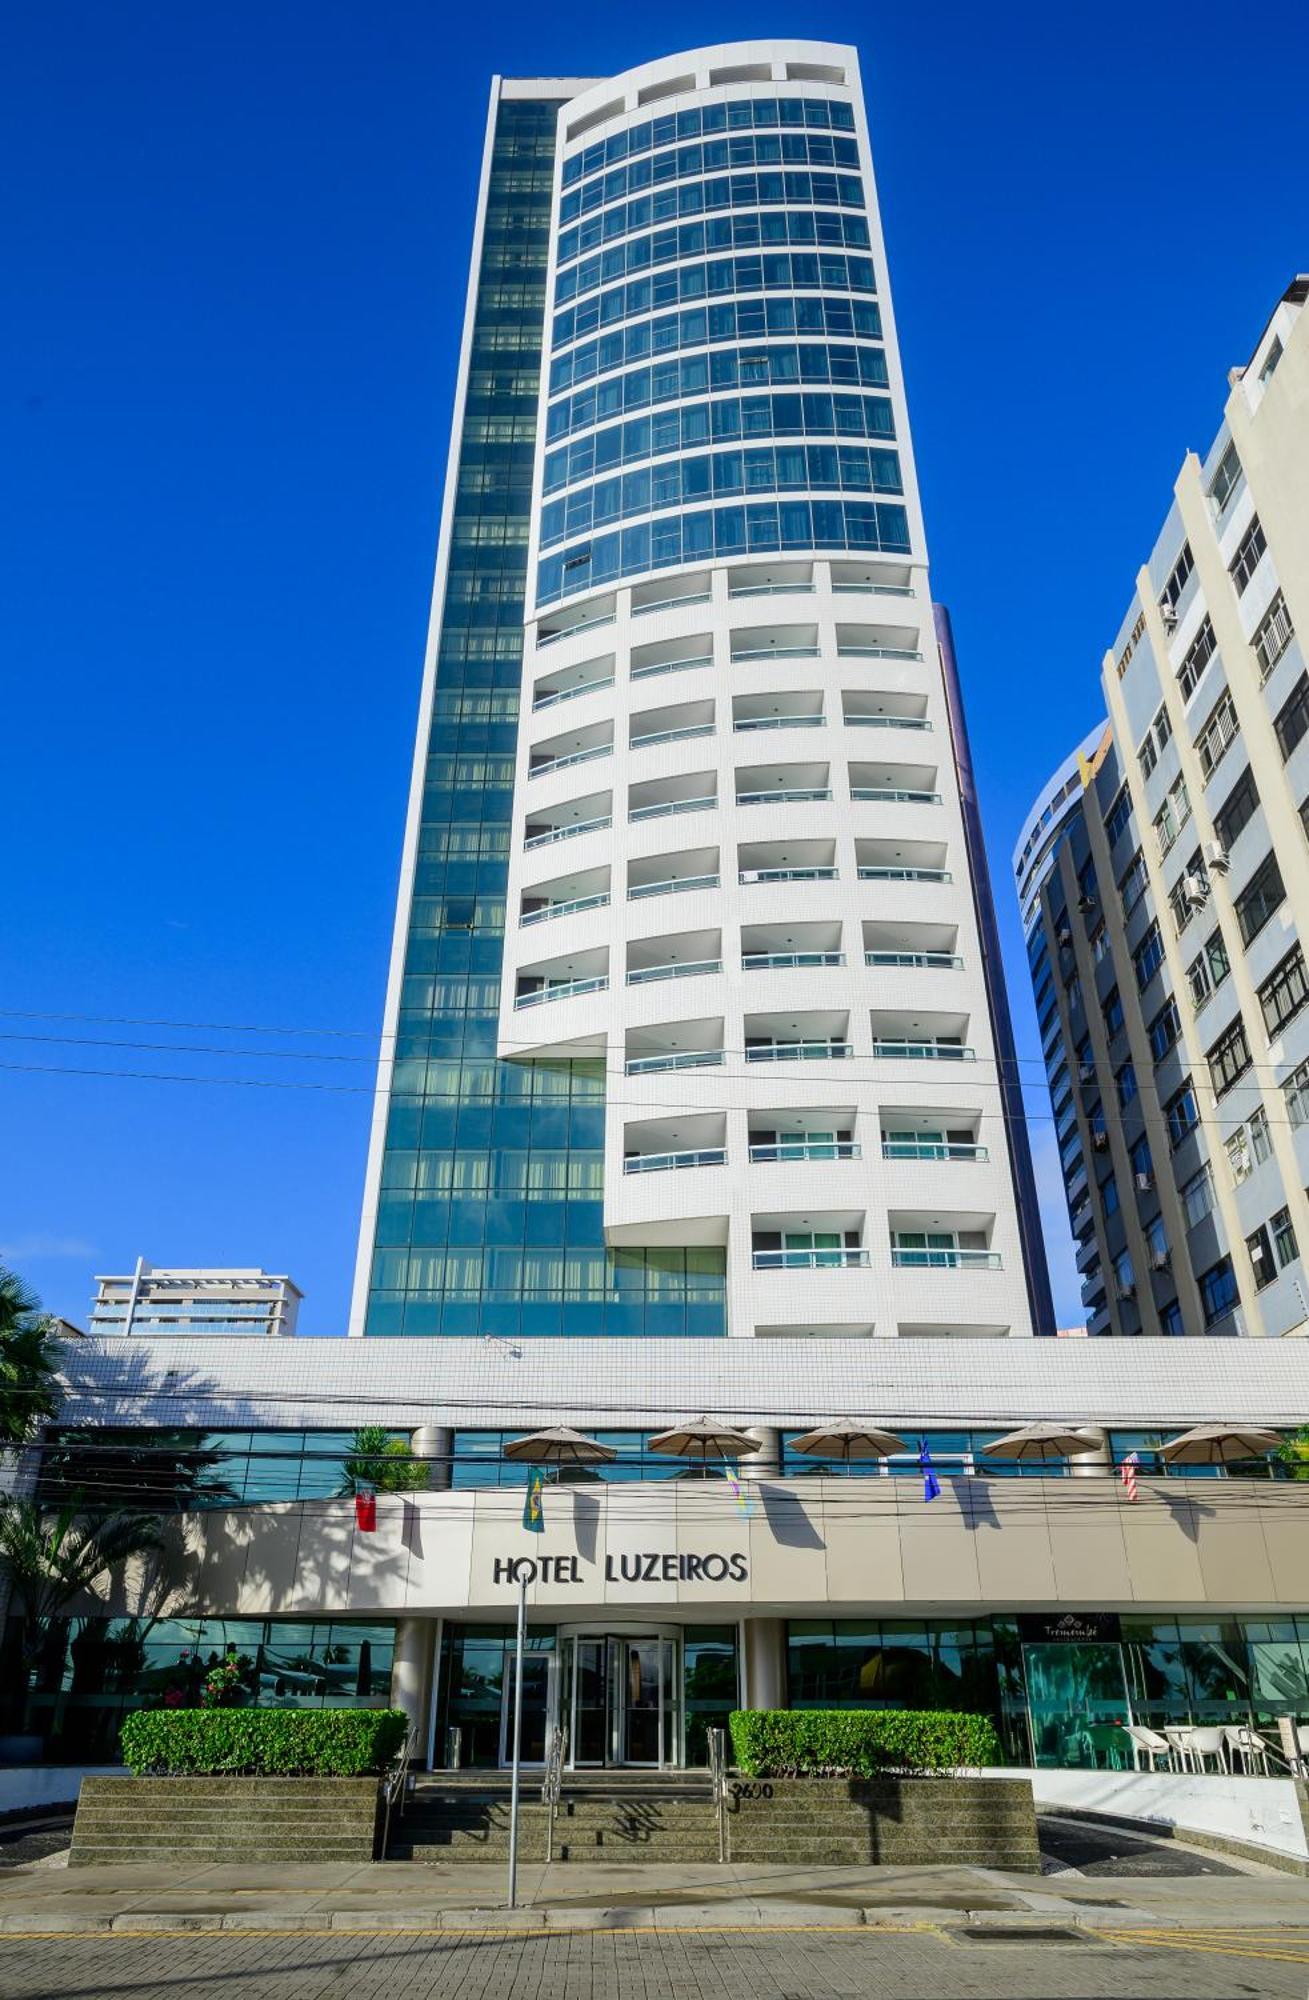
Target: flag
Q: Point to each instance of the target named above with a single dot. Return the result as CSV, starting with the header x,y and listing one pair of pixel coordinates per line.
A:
x,y
740,1492
366,1512
931,1484
533,1510
1127,1473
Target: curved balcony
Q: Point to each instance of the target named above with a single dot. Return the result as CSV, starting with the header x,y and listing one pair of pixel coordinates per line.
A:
x,y
746,724
562,990
794,795
885,795
748,876
662,1163
565,909
800,1052
671,885
682,735
933,961
781,961
568,758
550,697
876,874
680,1059
555,833
682,664
646,975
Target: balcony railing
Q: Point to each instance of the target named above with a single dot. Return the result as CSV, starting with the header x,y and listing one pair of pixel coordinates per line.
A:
x,y
809,1260
772,590
800,1052
923,1052
568,832
672,735
774,653
781,961
671,886
798,795
569,758
946,1260
544,639
887,722
691,968
886,796
681,1059
557,695
747,723
662,1163
938,961
930,1149
669,807
878,653
905,875
751,875
671,667
806,1149
543,915
671,603
563,991
873,590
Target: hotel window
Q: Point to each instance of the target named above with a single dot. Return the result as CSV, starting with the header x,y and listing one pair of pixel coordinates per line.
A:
x,y
1229,1058
1198,1197
1177,579
1133,884
1109,1195
1292,718
1148,957
1163,728
1147,756
1237,809
1183,1114
1284,1242
1261,1257
1261,1144
1262,894
1225,479
1218,735
1118,815
1196,658
1284,992
1165,1029
1218,1292
1296,1091
1273,635
1247,558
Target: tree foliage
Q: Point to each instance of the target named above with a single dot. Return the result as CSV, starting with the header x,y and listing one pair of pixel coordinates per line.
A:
x,y
380,1462
52,1558
29,1362
1294,1452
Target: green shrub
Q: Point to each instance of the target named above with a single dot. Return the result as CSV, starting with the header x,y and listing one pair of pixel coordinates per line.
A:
x,y
262,1742
859,1742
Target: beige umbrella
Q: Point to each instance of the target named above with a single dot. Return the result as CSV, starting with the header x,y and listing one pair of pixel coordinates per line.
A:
x,y
1039,1443
560,1446
845,1438
703,1440
1220,1444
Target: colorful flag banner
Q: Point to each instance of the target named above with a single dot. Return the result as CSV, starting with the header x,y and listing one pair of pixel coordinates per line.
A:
x,y
931,1484
740,1491
1127,1473
533,1505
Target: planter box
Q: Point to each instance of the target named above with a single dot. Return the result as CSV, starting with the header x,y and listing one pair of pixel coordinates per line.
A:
x,y
900,1822
224,1819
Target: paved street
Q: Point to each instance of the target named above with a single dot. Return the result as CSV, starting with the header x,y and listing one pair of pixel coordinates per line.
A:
x,y
786,1965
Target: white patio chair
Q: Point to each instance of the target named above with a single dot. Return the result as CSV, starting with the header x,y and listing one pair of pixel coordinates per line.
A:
x,y
1179,1742
1249,1746
1150,1744
1207,1743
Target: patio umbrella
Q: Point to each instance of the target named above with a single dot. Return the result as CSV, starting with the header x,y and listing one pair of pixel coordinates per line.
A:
x,y
703,1440
1220,1444
559,1446
846,1438
1039,1443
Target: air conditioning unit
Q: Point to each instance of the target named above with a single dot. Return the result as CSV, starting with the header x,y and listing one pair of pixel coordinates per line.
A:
x,y
1065,938
1215,857
1145,1182
1195,888
1127,1291
1086,1072
1100,1141
1086,904
1168,612
1160,1259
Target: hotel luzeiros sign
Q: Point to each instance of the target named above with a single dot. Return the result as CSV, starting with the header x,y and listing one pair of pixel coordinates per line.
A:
x,y
639,1566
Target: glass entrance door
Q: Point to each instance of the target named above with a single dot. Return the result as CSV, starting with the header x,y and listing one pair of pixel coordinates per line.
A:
x,y
641,1706
623,1698
538,1688
1077,1700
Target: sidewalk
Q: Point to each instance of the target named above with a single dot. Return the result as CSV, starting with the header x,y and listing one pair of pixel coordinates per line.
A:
x,y
406,1896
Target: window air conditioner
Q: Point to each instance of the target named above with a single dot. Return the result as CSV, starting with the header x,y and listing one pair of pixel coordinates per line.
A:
x,y
1160,1259
1127,1291
1086,904
1168,612
1065,938
1195,889
1100,1140
1145,1182
1215,857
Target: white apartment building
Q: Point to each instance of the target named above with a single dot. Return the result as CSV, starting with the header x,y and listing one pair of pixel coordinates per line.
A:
x,y
247,1304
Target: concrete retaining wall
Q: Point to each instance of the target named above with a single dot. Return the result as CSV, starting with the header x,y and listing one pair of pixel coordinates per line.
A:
x,y
224,1819
902,1822
1270,1813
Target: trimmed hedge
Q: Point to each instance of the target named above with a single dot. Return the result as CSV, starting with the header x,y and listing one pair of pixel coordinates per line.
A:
x,y
262,1742
859,1742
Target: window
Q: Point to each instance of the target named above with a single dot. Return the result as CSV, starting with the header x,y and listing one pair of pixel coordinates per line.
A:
x,y
1284,992
1100,944
1292,718
1165,1029
1197,657
1229,1058
1218,1293
1188,892
1238,1156
1246,560
1133,884
1270,364
1273,635
1118,815
1170,1319
1157,1238
1177,577
1260,897
1261,1144
1218,735
1125,1081
1113,1012
1124,1276
1206,973
1237,809
1296,1091
1284,1242
1182,1113
1109,1195
1148,956
1224,482
1142,1163
1147,756
1163,728
1261,1257
1198,1197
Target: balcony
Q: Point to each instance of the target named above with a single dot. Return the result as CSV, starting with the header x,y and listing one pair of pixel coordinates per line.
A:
x,y
922,1052
894,784
571,682
763,861
777,580
662,1163
660,595
569,624
759,644
565,822
946,1260
901,861
560,753
693,968
809,1260
785,947
666,798
755,712
921,947
671,874
782,784
865,579
562,978
788,1138
919,1035
677,723
688,955
788,961
787,1152
685,1059
931,1149
877,642
674,1045
885,711
674,1145
565,896
559,989
672,656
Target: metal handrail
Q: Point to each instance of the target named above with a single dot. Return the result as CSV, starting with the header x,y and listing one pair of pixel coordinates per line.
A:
x,y
567,832
566,909
669,807
874,589
718,1781
930,1149
566,694
877,653
945,1260
804,1149
775,653
395,1786
749,875
671,603
669,885
552,1785
857,721
924,1051
809,1260
672,735
798,795
905,875
763,961
797,1051
748,723
572,757
641,975
570,631
656,1163
886,795
772,590
687,1059
562,990
670,666
940,960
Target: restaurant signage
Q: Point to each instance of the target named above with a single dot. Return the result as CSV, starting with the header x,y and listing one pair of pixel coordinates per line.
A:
x,y
1069,1628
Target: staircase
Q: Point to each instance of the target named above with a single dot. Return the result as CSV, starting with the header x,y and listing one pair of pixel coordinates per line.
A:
x,y
631,1816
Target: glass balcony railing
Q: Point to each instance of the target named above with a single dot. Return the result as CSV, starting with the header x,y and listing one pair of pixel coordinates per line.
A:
x,y
570,631
747,723
557,695
563,991
930,1149
888,796
878,653
905,875
671,603
936,961
756,653
679,1059
660,1163
772,590
672,735
549,910
805,1149
781,961
799,1052
671,667
691,968
671,886
874,590
887,722
946,1260
568,832
923,1052
809,1260
569,758
798,795
669,808
751,875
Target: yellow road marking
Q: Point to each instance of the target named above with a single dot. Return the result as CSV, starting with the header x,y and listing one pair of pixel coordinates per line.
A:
x,y
1226,1947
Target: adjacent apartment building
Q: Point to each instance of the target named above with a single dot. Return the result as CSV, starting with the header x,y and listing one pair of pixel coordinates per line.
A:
x,y
195,1300
1164,883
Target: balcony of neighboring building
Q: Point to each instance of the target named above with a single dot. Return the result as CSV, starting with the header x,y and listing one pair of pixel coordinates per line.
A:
x,y
792,787
914,862
878,642
802,1035
672,1047
921,1038
910,948
681,873
673,722
586,889
887,784
764,864
673,957
767,714
564,751
792,947
884,710
671,797
572,683
569,820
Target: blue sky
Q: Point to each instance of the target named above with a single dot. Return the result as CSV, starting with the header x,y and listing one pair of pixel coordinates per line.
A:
x,y
237,246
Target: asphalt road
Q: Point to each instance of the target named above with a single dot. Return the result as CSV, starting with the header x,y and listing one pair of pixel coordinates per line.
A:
x,y
626,1965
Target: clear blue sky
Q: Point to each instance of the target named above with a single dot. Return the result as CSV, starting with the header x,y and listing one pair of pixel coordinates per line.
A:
x,y
235,247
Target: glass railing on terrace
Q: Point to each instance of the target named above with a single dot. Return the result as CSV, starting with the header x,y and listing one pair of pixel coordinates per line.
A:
x,y
797,795
875,874
567,832
772,589
570,757
645,975
571,631
549,910
887,722
659,1163
848,652
671,666
671,806
754,653
671,603
946,1260
563,991
759,961
937,961
681,1059
672,735
809,1260
874,590
885,795
931,1149
799,1052
556,695
750,722
671,887
806,1149
923,1051
750,875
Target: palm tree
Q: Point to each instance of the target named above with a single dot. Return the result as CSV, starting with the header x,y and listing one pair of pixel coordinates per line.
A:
x,y
49,1559
382,1462
29,1362
1294,1452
